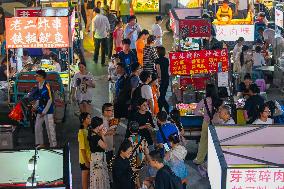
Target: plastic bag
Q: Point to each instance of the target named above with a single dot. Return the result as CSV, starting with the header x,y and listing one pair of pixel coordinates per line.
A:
x,y
17,112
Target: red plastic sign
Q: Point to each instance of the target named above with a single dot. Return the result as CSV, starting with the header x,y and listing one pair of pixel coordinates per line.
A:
x,y
194,28
198,62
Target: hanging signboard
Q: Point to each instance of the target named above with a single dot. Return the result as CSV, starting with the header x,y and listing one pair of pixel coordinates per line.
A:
x,y
194,28
233,32
37,12
37,32
198,62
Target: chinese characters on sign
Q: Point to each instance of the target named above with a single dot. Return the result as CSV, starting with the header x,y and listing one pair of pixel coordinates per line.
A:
x,y
27,12
37,32
194,28
279,18
198,62
233,32
270,178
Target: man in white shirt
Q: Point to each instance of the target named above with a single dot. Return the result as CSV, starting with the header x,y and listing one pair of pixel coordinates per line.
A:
x,y
242,7
158,32
100,29
146,90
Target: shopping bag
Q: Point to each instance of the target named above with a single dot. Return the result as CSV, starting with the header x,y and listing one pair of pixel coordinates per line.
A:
x,y
17,112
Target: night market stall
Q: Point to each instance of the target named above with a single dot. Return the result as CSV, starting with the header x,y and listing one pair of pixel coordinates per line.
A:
x,y
38,33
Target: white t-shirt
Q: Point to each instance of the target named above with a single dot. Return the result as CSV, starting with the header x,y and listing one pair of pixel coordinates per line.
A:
x,y
258,59
146,92
259,122
83,90
157,31
243,4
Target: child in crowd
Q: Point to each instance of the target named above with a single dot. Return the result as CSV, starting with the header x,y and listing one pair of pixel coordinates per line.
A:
x,y
112,76
225,115
175,158
84,148
155,90
118,36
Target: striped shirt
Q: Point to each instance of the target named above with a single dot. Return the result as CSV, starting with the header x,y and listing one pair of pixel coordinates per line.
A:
x,y
112,21
149,56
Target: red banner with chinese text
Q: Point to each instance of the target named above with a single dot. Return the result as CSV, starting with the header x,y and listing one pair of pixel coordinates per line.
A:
x,y
194,28
198,62
27,12
37,32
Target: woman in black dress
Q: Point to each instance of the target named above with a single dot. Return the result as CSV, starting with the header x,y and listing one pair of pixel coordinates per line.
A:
x,y
99,177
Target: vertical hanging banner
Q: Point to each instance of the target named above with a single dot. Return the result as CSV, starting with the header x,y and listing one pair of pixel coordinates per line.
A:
x,y
198,62
37,32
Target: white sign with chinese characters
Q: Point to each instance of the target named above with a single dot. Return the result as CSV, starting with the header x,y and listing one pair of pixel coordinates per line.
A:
x,y
255,178
233,32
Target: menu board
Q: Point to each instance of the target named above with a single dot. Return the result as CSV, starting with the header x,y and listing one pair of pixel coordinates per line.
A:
x,y
37,32
198,62
146,5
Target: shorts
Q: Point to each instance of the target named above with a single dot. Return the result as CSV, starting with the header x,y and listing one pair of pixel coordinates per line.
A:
x,y
86,101
83,167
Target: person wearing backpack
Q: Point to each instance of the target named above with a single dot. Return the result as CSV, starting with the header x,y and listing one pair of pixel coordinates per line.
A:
x,y
144,90
45,110
207,107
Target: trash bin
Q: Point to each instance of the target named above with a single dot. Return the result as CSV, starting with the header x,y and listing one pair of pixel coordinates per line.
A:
x,y
6,137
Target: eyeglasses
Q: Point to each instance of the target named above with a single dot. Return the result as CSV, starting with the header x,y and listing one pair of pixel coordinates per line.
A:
x,y
109,110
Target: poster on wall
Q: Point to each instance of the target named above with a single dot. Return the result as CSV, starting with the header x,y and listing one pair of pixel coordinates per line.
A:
x,y
198,62
146,6
37,32
233,32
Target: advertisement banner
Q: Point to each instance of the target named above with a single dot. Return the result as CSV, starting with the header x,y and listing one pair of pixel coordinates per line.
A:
x,y
233,32
37,32
194,28
37,12
255,178
198,62
27,12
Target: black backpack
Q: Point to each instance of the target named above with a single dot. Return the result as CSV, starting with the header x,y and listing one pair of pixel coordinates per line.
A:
x,y
125,93
137,95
